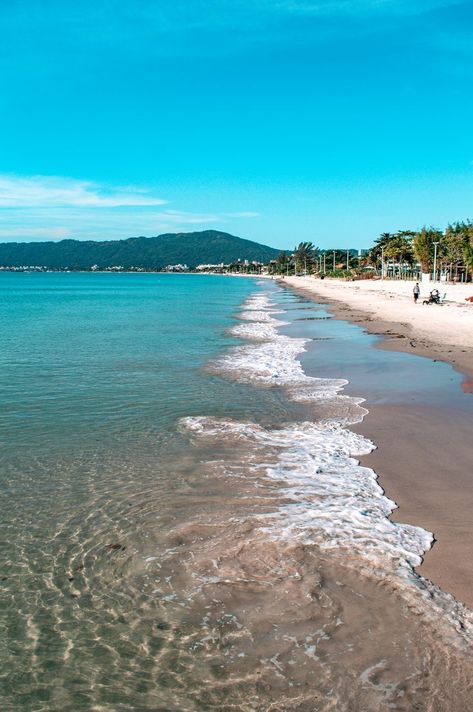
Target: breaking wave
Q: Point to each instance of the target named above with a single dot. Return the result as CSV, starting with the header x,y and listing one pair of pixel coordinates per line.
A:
x,y
327,498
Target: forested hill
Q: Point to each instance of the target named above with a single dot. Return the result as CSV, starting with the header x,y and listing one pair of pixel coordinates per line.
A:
x,y
153,253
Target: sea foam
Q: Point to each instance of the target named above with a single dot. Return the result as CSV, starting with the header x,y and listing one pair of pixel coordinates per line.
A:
x,y
271,359
333,501
327,498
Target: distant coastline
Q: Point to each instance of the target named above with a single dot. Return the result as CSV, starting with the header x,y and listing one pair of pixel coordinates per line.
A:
x,y
137,270
172,252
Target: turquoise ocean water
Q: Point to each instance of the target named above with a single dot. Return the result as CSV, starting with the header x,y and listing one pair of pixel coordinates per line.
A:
x,y
95,372
88,357
182,525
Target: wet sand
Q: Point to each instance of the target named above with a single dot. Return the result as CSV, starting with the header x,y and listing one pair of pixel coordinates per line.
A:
x,y
424,459
440,332
423,462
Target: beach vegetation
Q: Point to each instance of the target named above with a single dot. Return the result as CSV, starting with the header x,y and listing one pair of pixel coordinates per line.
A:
x,y
283,264
405,253
394,250
341,273
376,253
400,249
468,255
458,247
304,256
424,248
330,261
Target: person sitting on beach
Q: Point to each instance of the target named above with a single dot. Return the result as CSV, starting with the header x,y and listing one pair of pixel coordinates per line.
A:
x,y
416,292
434,297
468,299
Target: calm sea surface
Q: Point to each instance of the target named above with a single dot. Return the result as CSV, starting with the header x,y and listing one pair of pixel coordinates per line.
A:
x,y
109,358
183,525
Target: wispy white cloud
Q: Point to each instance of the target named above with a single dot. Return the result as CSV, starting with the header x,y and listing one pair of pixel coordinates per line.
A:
x,y
181,217
54,208
55,192
37,233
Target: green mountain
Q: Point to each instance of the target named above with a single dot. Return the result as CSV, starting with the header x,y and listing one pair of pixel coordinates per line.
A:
x,y
151,253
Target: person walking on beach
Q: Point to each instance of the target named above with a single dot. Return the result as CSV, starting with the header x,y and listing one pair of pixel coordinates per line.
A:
x,y
416,292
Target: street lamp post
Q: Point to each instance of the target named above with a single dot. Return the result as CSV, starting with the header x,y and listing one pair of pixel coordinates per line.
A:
x,y
435,261
382,262
348,263
305,266
324,263
334,260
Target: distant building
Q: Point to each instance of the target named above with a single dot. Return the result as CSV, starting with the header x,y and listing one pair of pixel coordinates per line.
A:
x,y
176,268
210,267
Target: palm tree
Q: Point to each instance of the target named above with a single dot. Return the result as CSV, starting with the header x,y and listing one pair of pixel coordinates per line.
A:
x,y
281,262
304,254
376,252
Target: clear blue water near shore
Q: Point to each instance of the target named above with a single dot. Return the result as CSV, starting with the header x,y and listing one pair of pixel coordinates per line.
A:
x,y
183,523
85,354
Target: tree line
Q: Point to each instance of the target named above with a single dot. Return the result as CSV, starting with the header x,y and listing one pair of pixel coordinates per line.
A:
x,y
449,251
405,252
308,259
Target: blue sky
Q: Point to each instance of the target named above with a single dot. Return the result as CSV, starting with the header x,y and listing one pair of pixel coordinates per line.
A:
x,y
276,120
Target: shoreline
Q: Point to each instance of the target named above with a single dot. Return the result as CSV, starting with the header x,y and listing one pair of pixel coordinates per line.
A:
x,y
386,309
423,456
423,463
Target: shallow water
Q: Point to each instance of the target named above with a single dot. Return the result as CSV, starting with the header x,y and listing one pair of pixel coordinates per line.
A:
x,y
184,523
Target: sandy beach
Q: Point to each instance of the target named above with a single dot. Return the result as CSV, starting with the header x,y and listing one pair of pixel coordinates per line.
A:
x,y
423,458
386,307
